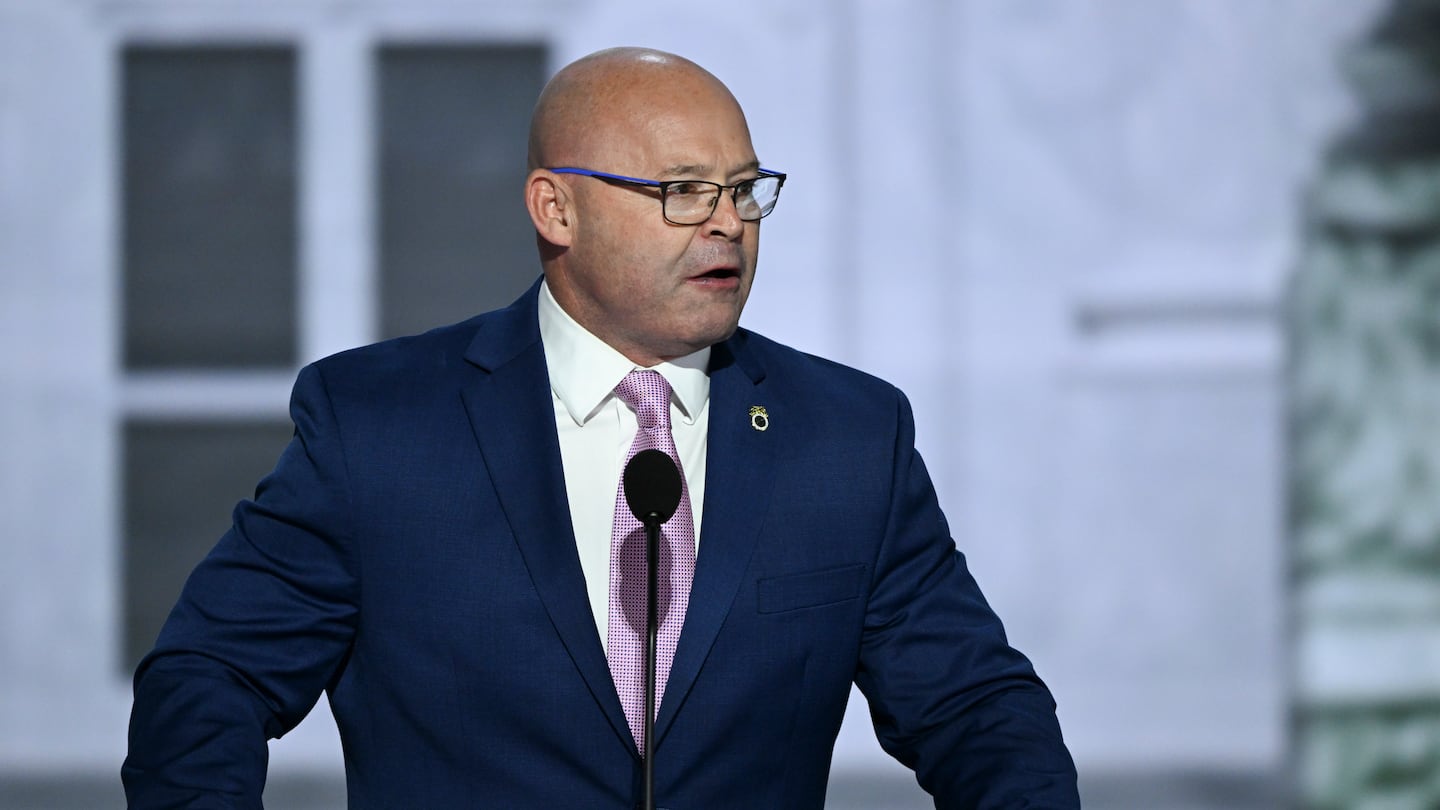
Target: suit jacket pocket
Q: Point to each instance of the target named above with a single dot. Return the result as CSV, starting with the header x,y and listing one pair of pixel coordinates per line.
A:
x,y
810,589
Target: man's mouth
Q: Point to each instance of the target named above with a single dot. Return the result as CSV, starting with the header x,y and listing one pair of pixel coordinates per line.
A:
x,y
720,273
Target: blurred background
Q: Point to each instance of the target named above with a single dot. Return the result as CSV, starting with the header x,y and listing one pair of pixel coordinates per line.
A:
x,y
1161,277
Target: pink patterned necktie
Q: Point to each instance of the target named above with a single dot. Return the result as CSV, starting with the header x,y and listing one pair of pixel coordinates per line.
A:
x,y
649,394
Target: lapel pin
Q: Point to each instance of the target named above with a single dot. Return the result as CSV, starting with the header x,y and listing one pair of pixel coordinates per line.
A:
x,y
759,419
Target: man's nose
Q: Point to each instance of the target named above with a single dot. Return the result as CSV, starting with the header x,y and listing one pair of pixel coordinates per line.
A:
x,y
725,219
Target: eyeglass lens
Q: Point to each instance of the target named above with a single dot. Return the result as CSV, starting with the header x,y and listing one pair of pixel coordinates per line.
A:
x,y
692,202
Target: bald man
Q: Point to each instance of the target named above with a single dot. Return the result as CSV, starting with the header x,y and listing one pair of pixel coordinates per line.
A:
x,y
443,549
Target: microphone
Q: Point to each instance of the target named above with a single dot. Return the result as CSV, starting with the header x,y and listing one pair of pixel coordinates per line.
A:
x,y
652,487
652,490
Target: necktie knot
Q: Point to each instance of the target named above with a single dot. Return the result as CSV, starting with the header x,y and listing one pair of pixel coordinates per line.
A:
x,y
649,394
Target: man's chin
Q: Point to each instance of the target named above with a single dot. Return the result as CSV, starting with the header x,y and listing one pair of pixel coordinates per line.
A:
x,y
705,338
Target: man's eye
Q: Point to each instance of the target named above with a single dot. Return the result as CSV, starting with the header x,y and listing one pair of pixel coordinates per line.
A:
x,y
691,189
745,188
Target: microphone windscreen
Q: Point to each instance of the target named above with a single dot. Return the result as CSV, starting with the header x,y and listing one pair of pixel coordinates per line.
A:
x,y
652,486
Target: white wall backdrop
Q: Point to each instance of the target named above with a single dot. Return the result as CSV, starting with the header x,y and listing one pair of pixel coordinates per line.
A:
x,y
1062,226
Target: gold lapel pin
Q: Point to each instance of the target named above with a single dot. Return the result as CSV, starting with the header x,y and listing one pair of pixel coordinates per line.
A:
x,y
759,419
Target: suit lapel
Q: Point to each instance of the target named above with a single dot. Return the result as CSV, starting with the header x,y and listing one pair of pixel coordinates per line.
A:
x,y
508,403
738,480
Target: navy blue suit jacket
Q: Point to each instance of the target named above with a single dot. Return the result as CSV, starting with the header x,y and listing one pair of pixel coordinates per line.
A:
x,y
412,556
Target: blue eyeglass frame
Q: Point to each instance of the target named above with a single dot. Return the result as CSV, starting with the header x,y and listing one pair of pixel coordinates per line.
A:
x,y
665,184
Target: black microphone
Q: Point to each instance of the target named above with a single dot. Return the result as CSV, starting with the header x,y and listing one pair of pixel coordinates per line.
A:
x,y
652,487
652,490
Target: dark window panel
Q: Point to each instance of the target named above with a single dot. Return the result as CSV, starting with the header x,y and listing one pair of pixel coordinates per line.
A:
x,y
181,481
209,181
454,236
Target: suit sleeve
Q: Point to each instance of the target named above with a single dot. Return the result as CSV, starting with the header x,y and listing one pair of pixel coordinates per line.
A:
x,y
261,628
949,697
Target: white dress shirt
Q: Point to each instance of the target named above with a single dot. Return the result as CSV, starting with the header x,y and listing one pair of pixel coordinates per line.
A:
x,y
596,429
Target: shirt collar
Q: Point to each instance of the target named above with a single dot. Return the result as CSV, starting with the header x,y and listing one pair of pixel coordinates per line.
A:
x,y
584,369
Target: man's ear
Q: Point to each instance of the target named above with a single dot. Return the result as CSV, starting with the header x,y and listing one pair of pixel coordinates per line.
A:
x,y
551,207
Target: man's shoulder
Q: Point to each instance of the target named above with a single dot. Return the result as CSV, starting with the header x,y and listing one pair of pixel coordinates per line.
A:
x,y
802,371
409,355
437,352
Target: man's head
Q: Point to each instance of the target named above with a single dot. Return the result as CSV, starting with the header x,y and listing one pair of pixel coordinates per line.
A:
x,y
651,289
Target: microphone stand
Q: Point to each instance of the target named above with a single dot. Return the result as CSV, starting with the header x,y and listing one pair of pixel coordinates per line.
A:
x,y
653,490
652,632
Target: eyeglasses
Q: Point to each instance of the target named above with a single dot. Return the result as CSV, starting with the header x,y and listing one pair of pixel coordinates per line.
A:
x,y
691,202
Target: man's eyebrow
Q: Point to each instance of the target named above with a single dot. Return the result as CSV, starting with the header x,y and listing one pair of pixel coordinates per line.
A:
x,y
686,170
697,170
750,166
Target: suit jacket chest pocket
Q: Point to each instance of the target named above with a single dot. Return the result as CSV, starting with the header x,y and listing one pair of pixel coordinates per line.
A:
x,y
810,589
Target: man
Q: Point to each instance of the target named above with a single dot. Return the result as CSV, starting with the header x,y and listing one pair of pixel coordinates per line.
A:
x,y
442,549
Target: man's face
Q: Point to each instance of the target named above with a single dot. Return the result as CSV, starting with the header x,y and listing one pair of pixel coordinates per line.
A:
x,y
651,289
